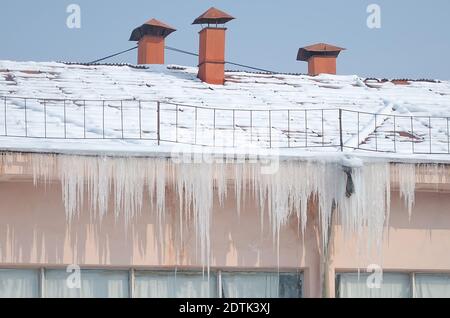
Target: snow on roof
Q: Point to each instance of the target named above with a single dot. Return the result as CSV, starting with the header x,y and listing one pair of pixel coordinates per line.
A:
x,y
395,121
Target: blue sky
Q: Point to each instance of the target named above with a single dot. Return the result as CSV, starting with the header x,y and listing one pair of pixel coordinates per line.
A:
x,y
413,40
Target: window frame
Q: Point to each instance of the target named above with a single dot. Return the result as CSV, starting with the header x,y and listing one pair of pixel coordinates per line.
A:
x,y
131,272
37,271
300,273
411,274
172,271
43,271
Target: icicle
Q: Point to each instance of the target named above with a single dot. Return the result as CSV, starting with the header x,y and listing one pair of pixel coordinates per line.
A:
x,y
238,185
120,185
220,182
43,167
377,198
407,184
368,209
197,180
104,186
160,169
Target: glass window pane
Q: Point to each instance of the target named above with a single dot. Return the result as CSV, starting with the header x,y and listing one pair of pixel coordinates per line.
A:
x,y
291,285
19,283
94,284
356,285
432,286
261,285
174,285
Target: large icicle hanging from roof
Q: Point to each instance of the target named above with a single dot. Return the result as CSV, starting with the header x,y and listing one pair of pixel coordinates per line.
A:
x,y
377,192
100,185
195,187
43,168
367,211
406,174
220,182
72,175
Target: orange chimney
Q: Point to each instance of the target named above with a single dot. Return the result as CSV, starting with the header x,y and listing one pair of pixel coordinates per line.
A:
x,y
211,68
151,41
321,58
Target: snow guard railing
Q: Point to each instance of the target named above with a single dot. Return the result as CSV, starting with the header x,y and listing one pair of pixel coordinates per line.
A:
x,y
167,122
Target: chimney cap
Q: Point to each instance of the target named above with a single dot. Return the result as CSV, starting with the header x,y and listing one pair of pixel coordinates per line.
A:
x,y
152,27
323,49
213,16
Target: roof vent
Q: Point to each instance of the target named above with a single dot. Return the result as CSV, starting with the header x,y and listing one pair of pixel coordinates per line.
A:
x,y
212,46
151,41
321,58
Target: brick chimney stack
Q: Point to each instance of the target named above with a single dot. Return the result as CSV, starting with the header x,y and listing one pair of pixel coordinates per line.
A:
x,y
212,46
321,58
151,41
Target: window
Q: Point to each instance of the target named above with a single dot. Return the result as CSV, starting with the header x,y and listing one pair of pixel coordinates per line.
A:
x,y
354,285
19,283
394,285
432,286
55,283
261,285
94,284
174,285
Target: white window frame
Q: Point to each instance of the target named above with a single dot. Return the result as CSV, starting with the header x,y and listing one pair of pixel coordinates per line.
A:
x,y
412,278
41,271
299,272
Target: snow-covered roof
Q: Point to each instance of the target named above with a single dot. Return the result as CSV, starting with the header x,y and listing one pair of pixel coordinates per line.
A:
x,y
57,107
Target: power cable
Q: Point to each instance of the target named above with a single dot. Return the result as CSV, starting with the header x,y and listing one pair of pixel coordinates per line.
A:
x,y
180,51
230,63
113,55
183,52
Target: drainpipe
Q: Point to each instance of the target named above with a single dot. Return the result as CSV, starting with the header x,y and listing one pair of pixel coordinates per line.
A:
x,y
326,259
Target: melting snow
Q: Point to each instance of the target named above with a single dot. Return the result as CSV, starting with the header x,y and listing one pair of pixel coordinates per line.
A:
x,y
407,185
247,93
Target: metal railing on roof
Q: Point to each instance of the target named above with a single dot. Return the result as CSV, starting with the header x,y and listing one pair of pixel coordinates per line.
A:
x,y
167,122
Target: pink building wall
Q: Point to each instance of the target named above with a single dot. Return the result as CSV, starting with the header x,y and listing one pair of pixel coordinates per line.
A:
x,y
34,233
419,245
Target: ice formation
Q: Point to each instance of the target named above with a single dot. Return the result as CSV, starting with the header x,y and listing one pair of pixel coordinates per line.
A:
x,y
406,174
104,185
